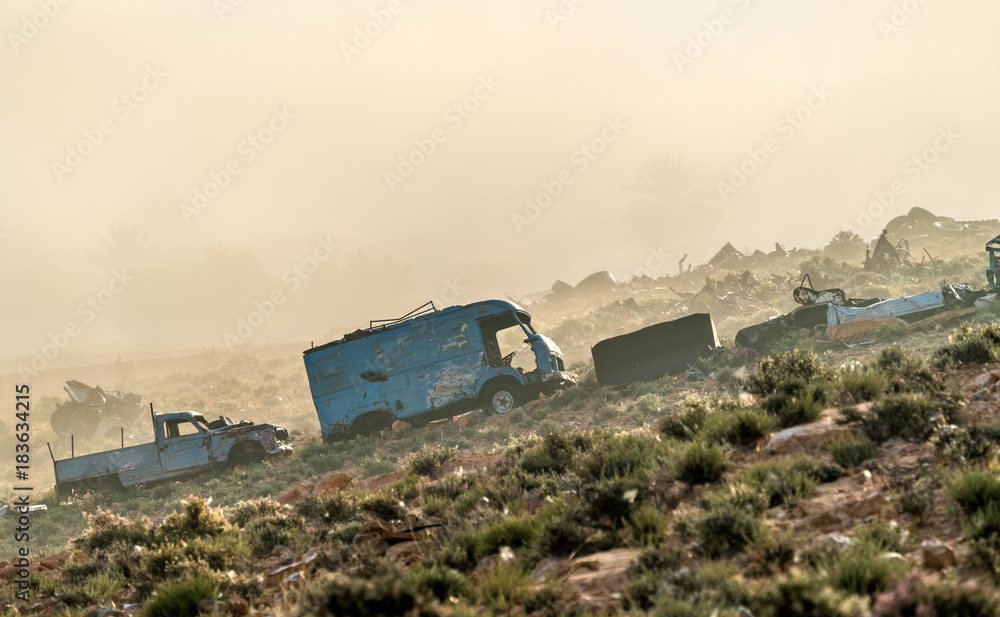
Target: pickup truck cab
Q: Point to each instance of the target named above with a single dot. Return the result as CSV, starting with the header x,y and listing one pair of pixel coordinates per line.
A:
x,y
429,363
184,443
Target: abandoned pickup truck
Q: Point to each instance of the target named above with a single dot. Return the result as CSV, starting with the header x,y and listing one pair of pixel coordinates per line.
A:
x,y
428,364
184,443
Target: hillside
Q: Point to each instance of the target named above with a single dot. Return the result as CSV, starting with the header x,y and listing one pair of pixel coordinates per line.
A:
x,y
816,479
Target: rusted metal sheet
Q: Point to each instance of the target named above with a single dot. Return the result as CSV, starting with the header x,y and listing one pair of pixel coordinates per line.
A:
x,y
657,350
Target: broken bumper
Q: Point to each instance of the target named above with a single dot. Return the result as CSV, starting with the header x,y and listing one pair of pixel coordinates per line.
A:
x,y
282,449
559,378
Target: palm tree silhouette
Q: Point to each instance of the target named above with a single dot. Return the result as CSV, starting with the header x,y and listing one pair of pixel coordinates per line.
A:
x,y
674,202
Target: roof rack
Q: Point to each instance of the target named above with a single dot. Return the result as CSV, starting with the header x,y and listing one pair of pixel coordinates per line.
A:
x,y
420,310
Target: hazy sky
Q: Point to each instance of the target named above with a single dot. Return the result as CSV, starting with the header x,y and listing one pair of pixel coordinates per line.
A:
x,y
404,139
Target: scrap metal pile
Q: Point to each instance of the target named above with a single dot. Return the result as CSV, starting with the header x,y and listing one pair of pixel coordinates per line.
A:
x,y
94,413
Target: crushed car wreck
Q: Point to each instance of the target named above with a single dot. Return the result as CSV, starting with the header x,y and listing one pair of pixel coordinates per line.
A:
x,y
184,443
654,351
428,364
93,413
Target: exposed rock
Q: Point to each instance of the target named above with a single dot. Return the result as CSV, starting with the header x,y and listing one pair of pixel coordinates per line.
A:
x,y
808,437
294,494
534,499
596,580
400,425
468,464
404,553
462,420
333,481
236,605
937,555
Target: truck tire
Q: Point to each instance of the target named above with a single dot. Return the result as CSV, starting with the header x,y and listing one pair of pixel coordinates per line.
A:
x,y
502,397
107,487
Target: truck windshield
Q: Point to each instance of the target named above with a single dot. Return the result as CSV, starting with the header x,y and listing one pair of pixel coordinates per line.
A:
x,y
503,335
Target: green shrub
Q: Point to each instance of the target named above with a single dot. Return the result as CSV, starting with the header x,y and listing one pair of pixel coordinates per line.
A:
x,y
339,595
899,415
618,455
739,427
881,535
335,507
383,506
862,385
554,454
864,569
246,511
969,445
796,402
727,525
266,533
97,589
801,594
972,344
197,519
914,500
688,421
698,463
787,480
180,598
773,370
851,450
562,531
513,531
428,460
503,588
439,581
106,530
974,490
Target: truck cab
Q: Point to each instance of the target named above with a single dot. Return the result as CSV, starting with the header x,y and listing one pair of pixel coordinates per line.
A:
x,y
429,363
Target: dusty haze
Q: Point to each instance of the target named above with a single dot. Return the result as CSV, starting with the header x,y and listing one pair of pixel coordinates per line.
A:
x,y
667,96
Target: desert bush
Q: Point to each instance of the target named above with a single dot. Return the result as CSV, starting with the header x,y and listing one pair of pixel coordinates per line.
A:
x,y
180,598
918,594
197,519
914,500
504,587
338,595
439,581
864,569
428,460
554,454
851,450
97,589
562,530
891,333
618,455
268,532
383,506
698,463
335,507
971,344
686,422
773,370
727,524
739,427
974,444
857,385
246,511
513,531
882,535
787,480
647,526
796,402
899,415
106,530
803,594
974,490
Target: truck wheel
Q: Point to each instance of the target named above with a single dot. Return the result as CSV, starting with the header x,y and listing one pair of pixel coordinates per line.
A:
x,y
501,398
107,488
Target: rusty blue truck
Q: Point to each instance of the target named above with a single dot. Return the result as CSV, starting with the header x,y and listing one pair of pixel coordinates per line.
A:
x,y
184,443
428,364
